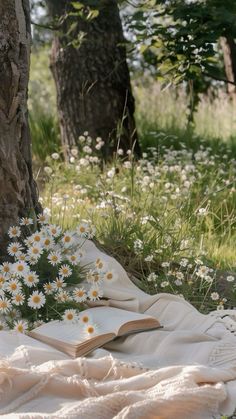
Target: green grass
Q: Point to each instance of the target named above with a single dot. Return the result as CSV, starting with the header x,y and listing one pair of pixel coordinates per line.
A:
x,y
172,206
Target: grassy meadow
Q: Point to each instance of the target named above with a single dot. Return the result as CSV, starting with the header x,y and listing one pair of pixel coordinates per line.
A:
x,y
169,218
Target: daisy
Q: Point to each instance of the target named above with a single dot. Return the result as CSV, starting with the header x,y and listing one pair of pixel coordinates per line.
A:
x,y
100,264
5,268
35,251
62,296
58,284
70,316
73,259
95,293
32,260
25,221
42,219
67,239
65,271
20,268
18,299
14,232
14,248
36,300
55,231
79,295
14,286
2,280
110,276
36,237
20,326
54,258
90,330
82,230
85,318
5,305
48,242
93,276
21,256
48,288
31,279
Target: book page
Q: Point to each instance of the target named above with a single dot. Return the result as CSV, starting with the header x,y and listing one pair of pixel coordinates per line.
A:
x,y
105,319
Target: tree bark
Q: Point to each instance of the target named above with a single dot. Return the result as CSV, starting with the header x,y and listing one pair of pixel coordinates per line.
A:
x,y
229,52
18,194
93,83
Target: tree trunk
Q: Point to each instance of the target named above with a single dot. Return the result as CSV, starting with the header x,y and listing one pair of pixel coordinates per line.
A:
x,y
18,196
229,52
92,80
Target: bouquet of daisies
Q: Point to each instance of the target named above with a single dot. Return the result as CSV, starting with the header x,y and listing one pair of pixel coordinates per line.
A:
x,y
43,281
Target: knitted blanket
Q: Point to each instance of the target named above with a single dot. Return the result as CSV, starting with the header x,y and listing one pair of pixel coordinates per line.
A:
x,y
185,370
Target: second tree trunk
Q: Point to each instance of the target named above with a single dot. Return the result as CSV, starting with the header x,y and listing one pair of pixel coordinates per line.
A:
x,y
92,79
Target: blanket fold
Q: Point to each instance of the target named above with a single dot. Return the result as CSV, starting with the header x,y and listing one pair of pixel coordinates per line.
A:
x,y
187,369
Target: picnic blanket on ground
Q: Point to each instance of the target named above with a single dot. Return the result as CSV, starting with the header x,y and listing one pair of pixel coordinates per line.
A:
x,y
185,370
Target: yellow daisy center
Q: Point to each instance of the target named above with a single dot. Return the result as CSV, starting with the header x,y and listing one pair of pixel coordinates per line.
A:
x,y
36,299
90,329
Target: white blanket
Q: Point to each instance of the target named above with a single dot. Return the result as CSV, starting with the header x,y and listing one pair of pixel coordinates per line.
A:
x,y
185,370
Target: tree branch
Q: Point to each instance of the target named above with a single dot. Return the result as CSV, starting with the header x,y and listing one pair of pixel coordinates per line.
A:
x,y
205,73
50,27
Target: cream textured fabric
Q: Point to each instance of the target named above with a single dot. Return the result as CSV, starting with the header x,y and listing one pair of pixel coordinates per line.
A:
x,y
185,370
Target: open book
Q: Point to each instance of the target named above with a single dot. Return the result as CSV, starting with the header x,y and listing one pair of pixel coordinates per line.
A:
x,y
96,327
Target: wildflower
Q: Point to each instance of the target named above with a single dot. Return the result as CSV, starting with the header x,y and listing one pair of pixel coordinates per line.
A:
x,y
73,259
165,264
152,277
20,326
31,279
5,305
5,268
100,264
14,286
36,237
138,246
58,283
48,170
55,156
164,284
14,248
48,288
62,296
20,268
55,231
35,251
67,239
230,278
110,276
25,221
36,300
202,211
178,282
82,230
215,296
18,299
65,271
79,295
48,242
85,318
14,232
90,330
149,258
74,152
95,293
54,258
70,316
202,271
42,218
